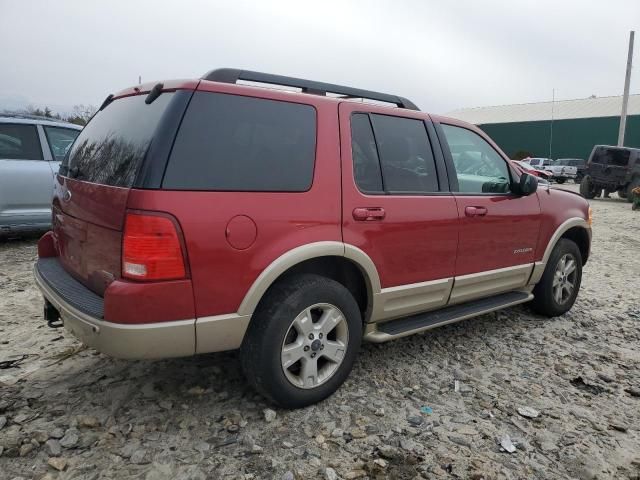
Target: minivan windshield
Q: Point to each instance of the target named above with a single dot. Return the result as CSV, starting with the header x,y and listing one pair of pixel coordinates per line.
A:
x,y
111,148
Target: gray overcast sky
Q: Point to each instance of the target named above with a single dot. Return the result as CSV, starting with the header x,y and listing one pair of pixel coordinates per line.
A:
x,y
441,55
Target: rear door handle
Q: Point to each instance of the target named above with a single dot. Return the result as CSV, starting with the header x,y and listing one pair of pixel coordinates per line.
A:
x,y
475,211
364,214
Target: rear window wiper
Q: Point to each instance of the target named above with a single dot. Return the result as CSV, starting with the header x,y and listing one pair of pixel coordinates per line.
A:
x,y
154,93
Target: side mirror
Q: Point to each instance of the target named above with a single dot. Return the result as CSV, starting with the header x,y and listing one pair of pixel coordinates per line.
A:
x,y
527,185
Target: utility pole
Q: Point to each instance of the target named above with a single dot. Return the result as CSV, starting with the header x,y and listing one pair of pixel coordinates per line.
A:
x,y
139,79
553,103
625,97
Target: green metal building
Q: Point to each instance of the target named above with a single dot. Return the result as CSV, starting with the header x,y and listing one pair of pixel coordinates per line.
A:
x,y
561,129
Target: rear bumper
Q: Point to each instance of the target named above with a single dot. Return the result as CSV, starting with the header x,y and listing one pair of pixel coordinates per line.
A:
x,y
130,341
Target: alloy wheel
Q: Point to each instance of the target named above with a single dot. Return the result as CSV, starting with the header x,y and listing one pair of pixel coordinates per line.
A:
x,y
315,345
564,278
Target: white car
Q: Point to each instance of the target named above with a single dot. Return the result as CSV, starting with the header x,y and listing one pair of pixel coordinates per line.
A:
x,y
31,149
561,173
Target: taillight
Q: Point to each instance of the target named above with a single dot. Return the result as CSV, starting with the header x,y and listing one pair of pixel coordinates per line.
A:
x,y
151,248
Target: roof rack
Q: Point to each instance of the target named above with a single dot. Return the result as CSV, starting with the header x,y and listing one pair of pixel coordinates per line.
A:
x,y
232,75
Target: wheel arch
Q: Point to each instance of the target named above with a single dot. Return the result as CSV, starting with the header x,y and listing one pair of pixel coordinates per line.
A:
x,y
575,229
344,263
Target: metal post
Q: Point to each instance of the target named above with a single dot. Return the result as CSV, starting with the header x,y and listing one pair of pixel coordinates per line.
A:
x,y
625,97
553,103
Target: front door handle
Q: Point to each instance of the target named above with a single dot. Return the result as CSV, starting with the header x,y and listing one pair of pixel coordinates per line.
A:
x,y
475,211
364,214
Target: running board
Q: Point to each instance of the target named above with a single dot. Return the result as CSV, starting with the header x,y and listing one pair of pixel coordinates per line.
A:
x,y
382,332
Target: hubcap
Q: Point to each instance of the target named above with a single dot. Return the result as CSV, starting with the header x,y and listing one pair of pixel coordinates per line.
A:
x,y
564,279
315,345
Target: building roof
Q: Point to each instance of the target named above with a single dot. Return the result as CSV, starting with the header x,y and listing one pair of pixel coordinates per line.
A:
x,y
562,110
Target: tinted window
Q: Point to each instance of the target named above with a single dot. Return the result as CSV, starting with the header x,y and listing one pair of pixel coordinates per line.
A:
x,y
230,142
110,149
60,140
479,168
405,155
19,142
612,156
366,165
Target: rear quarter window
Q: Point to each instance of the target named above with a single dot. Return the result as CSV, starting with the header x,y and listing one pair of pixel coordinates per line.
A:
x,y
235,143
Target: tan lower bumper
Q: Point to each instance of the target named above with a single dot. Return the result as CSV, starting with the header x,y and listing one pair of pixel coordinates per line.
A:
x,y
154,340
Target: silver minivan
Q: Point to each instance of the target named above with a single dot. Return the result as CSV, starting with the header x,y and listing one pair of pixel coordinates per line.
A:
x,y
31,149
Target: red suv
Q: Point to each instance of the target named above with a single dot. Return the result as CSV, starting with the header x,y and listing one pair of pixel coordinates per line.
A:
x,y
206,215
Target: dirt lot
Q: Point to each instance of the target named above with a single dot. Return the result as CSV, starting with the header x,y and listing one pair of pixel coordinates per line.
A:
x,y
436,405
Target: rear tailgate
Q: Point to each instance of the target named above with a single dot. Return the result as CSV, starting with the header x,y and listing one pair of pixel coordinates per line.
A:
x,y
92,188
87,223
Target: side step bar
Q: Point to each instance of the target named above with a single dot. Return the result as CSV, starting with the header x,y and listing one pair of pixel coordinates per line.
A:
x,y
382,332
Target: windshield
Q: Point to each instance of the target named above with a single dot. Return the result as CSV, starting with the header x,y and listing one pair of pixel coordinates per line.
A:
x,y
110,149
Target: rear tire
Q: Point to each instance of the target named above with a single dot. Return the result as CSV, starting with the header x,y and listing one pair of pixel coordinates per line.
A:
x,y
561,180
289,354
557,290
587,189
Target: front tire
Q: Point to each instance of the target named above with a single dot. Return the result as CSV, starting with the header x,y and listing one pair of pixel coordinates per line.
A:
x,y
302,341
587,189
557,290
561,180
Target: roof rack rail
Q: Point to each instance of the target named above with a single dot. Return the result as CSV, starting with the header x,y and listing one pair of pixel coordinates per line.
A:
x,y
232,75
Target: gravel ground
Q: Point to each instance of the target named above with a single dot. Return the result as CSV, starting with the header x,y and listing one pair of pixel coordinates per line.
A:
x,y
563,395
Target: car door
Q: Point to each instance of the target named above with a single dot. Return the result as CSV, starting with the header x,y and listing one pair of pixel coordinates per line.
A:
x,y
498,229
26,183
397,207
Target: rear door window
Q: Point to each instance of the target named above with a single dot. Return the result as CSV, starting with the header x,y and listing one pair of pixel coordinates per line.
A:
x,y
235,143
366,164
19,142
60,140
111,148
407,161
392,155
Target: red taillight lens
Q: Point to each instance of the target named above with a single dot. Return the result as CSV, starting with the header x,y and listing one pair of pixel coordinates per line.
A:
x,y
151,249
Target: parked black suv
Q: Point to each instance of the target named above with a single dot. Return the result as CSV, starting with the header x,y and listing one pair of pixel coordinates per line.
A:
x,y
612,169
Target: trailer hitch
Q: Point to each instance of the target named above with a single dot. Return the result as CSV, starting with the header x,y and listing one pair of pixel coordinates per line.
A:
x,y
52,315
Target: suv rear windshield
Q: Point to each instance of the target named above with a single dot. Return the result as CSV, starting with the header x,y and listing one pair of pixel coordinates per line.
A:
x,y
611,156
110,149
